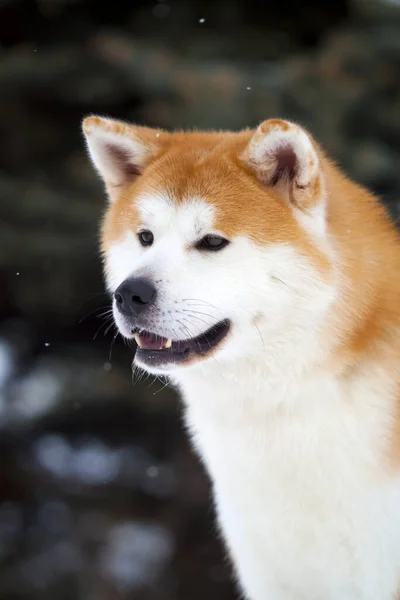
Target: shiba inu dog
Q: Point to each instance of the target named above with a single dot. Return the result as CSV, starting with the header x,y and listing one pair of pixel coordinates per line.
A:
x,y
266,286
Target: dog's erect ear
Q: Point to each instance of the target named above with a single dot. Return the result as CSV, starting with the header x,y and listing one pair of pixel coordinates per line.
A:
x,y
119,151
283,156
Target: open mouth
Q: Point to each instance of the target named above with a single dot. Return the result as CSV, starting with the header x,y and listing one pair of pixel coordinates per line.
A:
x,y
154,350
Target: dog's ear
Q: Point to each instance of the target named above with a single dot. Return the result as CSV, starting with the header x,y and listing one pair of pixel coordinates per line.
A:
x,y
284,157
120,151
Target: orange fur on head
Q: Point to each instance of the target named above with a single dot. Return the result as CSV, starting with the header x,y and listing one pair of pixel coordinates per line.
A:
x,y
218,167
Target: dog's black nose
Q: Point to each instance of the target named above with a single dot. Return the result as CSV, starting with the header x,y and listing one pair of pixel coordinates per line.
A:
x,y
134,295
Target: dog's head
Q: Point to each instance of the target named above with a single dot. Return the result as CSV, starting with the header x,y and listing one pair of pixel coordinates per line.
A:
x,y
214,243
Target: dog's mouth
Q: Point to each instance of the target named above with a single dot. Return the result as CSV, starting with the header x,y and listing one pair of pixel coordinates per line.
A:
x,y
154,350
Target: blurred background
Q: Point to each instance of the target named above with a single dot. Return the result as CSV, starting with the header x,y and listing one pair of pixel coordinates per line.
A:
x,y
100,495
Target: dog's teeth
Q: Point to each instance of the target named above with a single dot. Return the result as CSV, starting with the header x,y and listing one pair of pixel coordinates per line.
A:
x,y
167,344
137,339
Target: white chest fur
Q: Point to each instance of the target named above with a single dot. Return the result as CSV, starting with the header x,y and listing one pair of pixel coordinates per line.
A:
x,y
307,509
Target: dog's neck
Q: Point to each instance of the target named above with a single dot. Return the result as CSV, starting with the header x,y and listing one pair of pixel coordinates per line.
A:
x,y
245,384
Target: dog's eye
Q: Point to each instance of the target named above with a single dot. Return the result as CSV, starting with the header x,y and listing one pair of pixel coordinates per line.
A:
x,y
146,238
212,242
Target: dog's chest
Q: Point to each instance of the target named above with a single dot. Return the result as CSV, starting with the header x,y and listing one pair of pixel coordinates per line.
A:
x,y
300,500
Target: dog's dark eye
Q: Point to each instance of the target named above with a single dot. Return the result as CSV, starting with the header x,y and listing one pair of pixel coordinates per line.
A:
x,y
212,242
146,238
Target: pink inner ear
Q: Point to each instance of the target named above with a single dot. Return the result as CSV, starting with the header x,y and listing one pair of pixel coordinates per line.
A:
x,y
286,161
123,161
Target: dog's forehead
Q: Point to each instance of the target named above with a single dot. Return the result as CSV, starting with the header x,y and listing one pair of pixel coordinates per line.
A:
x,y
160,211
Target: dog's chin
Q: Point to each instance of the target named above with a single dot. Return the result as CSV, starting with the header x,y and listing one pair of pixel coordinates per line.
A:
x,y
161,355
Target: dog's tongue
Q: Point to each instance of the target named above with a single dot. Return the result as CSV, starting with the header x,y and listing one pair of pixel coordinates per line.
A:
x,y
151,341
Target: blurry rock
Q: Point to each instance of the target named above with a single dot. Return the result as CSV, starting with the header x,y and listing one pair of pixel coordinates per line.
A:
x,y
53,385
136,555
83,464
6,363
53,453
35,395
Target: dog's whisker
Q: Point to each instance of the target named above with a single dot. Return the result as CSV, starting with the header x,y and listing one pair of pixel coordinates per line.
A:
x,y
92,312
198,343
196,312
195,317
203,303
112,345
99,329
166,384
106,313
108,328
259,333
185,329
